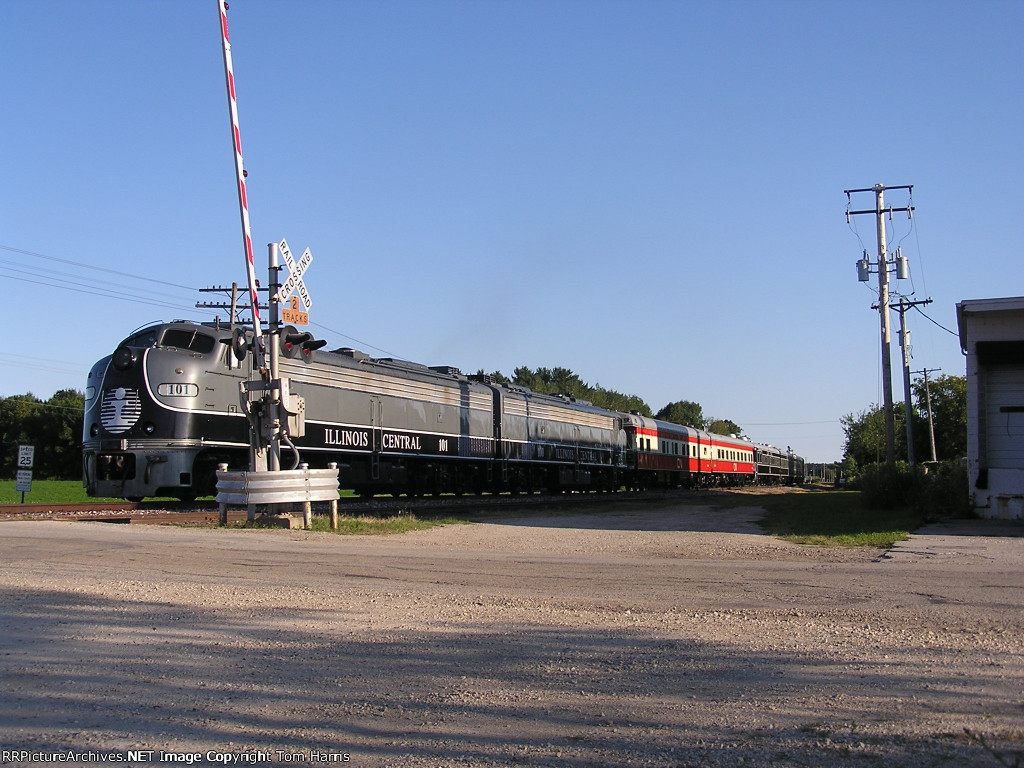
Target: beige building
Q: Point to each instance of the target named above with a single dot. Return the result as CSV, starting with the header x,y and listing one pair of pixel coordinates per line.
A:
x,y
992,336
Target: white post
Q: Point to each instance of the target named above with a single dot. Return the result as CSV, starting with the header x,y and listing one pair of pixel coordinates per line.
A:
x,y
223,517
334,502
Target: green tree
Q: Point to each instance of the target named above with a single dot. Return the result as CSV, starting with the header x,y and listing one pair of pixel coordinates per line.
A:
x,y
865,431
949,415
865,435
551,381
725,427
684,412
58,432
616,401
54,427
16,414
562,381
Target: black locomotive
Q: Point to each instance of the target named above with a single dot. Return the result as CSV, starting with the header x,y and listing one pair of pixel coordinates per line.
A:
x,y
168,406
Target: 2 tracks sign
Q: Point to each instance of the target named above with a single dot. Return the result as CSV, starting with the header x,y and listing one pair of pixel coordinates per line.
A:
x,y
294,284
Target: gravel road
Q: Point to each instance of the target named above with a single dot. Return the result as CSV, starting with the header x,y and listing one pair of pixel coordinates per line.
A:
x,y
669,636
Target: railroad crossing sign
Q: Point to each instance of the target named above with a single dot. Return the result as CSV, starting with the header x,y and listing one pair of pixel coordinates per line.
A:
x,y
293,314
295,284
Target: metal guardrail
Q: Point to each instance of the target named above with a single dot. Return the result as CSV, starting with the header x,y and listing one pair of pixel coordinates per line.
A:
x,y
282,487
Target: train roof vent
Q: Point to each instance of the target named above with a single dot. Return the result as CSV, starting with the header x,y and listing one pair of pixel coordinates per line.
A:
x,y
572,399
355,354
447,370
484,378
405,365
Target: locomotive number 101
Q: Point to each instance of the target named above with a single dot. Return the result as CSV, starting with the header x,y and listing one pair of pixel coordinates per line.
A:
x,y
178,390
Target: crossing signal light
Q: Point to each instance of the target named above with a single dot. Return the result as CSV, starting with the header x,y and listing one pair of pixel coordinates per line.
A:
x,y
299,344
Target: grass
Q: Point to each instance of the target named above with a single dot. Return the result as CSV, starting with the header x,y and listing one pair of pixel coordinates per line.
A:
x,y
835,519
364,524
46,492
70,492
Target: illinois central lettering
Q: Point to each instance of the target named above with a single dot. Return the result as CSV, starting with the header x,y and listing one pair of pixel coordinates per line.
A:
x,y
346,438
391,441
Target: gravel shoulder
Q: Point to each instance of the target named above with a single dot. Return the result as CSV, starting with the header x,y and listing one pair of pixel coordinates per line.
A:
x,y
681,636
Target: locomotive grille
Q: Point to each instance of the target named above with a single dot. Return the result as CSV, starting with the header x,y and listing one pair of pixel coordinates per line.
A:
x,y
120,409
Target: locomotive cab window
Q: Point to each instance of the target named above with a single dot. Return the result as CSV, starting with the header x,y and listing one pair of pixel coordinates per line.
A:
x,y
190,340
143,339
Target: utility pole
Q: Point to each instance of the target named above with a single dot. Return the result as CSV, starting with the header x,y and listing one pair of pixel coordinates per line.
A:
x,y
863,268
233,307
928,398
905,347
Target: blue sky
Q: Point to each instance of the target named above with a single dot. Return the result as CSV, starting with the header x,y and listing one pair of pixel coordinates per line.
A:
x,y
648,193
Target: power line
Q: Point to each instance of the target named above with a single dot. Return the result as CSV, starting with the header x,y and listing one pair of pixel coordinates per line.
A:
x,y
69,281
934,322
42,404
103,293
81,265
37,364
364,344
788,423
63,277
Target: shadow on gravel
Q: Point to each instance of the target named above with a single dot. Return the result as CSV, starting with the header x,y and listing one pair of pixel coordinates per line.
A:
x,y
974,527
92,674
705,511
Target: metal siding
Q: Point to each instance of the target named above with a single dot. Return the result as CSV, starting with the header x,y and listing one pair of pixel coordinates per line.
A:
x,y
1004,419
340,396
552,412
394,385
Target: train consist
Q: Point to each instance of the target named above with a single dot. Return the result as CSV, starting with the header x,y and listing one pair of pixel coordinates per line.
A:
x,y
167,407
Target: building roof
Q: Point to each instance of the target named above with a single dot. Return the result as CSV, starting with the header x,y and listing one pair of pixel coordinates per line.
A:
x,y
979,306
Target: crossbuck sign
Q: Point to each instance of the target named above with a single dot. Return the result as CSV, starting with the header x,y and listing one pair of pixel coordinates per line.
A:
x,y
295,272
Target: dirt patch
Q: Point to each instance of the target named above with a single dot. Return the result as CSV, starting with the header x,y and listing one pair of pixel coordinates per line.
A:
x,y
676,637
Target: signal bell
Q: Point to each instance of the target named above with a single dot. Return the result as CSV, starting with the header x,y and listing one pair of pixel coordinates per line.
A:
x,y
240,343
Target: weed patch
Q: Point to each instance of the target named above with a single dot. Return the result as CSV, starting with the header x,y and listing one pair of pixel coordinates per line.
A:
x,y
836,518
378,526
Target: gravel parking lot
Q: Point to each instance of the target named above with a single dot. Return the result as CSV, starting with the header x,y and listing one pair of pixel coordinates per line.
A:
x,y
672,636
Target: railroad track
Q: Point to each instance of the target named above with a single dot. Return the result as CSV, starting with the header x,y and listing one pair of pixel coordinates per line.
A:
x,y
207,512
200,513
157,513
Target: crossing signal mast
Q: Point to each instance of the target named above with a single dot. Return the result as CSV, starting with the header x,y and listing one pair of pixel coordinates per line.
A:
x,y
883,267
275,414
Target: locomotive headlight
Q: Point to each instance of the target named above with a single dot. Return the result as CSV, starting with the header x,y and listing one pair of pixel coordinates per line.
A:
x,y
149,427
124,358
94,430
